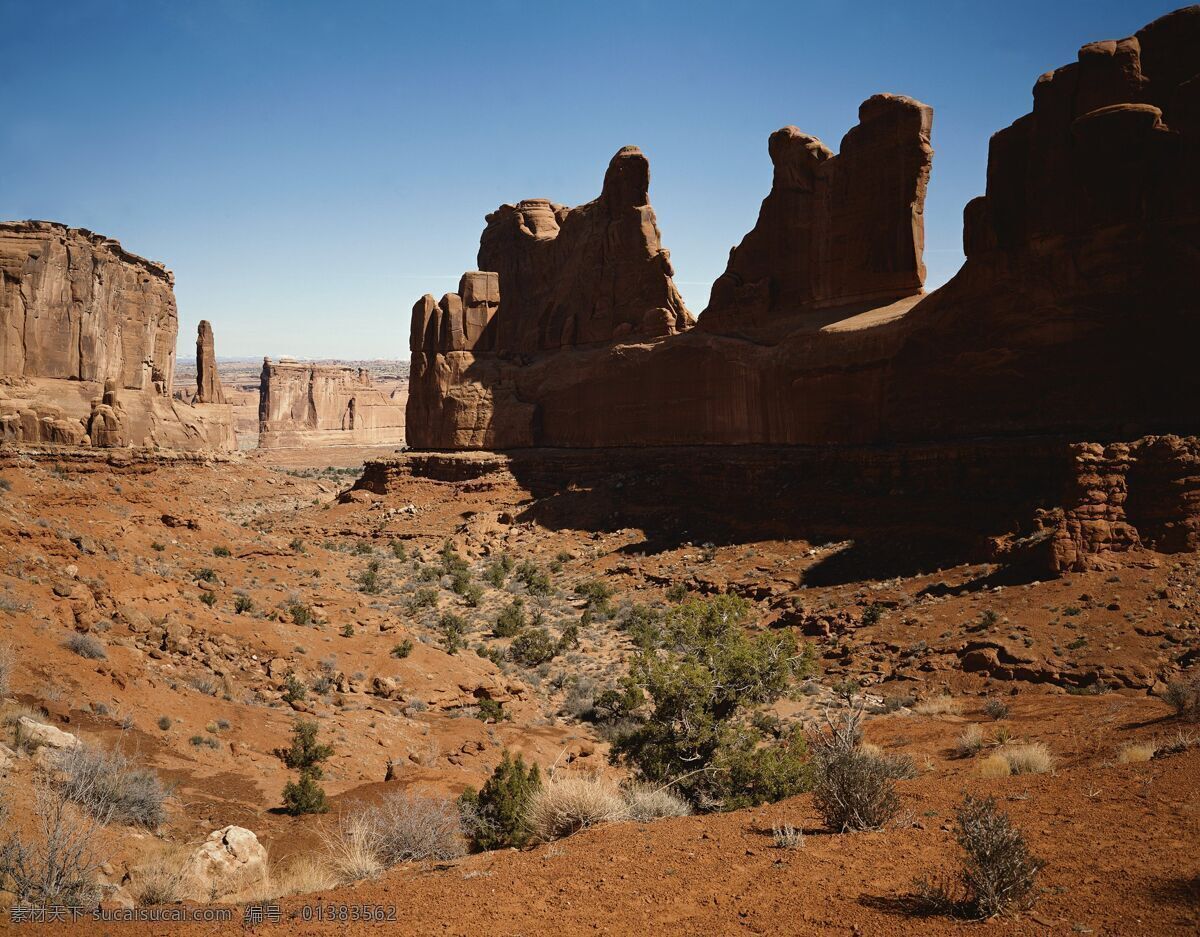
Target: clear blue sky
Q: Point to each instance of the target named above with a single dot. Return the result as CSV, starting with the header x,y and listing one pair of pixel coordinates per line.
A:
x,y
308,170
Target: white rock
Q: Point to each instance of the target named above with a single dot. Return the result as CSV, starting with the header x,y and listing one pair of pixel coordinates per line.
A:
x,y
40,734
231,859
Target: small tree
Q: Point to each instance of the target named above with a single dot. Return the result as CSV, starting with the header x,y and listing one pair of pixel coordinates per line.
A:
x,y
511,620
533,646
305,754
453,629
495,815
703,686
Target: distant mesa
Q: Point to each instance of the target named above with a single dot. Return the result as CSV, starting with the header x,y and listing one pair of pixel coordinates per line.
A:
x,y
87,346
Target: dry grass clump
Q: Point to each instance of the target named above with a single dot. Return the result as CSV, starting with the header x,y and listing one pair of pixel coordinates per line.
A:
x,y
164,878
399,828
109,787
568,804
7,662
1032,758
786,836
970,743
1133,752
86,646
994,766
1184,697
938,706
300,875
644,802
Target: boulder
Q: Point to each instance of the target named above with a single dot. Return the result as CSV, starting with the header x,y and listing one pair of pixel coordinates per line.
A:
x,y
230,860
45,736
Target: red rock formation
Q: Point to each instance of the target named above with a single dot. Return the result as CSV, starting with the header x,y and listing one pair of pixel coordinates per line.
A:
x,y
325,405
837,229
1076,313
208,382
87,345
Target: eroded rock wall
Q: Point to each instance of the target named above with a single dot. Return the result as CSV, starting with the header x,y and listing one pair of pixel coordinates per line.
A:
x,y
87,346
1076,312
324,405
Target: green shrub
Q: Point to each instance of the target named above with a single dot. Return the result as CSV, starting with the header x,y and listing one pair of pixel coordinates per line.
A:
x,y
301,613
701,695
206,574
208,598
243,604
491,711
348,630
872,614
369,579
472,595
643,625
569,638
677,592
535,579
293,689
453,628
403,649
496,572
164,722
306,795
157,547
398,550
598,595
511,620
221,551
425,597
305,751
533,646
495,816
297,545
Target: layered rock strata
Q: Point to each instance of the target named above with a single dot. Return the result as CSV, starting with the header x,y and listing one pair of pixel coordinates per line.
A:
x,y
303,404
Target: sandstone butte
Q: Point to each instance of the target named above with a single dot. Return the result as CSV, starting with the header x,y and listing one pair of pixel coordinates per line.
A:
x,y
302,404
87,347
1074,318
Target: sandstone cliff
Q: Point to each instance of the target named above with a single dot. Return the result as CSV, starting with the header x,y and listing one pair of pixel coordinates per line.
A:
x,y
87,345
1075,313
310,404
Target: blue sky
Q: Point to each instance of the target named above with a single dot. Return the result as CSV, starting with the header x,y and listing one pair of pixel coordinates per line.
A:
x,y
308,170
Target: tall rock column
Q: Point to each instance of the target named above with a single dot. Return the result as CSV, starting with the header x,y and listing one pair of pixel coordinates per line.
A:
x,y
208,382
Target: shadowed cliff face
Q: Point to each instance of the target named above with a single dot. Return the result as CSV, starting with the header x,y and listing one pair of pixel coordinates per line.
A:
x,y
1075,312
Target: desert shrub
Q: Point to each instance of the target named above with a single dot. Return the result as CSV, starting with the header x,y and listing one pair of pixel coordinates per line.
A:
x,y
453,628
643,625
398,828
496,572
569,638
534,577
403,649
221,551
109,787
305,795
994,766
677,592
855,787
205,574
645,802
7,663
1034,758
970,743
369,580
208,598
362,548
293,690
242,604
995,708
533,646
494,817
348,630
398,550
472,595
871,614
998,872
297,545
1184,697
511,620
489,710
701,693
425,597
304,751
566,805
786,836
598,596
85,646
165,723
300,613
57,866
